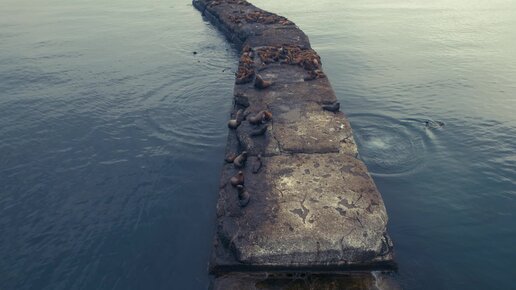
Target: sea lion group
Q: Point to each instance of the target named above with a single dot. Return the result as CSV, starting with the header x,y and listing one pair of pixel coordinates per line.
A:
x,y
293,55
286,54
240,17
239,161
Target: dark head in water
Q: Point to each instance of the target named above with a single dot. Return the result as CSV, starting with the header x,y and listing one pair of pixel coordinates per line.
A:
x,y
434,124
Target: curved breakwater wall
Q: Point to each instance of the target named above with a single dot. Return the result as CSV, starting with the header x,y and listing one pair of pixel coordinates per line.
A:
x,y
295,202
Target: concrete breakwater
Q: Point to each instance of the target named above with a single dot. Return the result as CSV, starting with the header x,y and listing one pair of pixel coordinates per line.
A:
x,y
294,199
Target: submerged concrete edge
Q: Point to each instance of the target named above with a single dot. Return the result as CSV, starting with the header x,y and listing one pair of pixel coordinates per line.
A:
x,y
293,195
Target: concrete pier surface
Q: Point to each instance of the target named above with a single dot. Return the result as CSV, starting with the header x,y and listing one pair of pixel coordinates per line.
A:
x,y
293,197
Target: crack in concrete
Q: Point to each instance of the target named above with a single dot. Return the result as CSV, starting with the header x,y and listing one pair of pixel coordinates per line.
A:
x,y
272,131
342,246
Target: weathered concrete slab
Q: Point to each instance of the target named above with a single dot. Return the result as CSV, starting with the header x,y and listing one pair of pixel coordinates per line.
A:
x,y
318,91
276,36
241,21
302,201
297,128
306,128
305,210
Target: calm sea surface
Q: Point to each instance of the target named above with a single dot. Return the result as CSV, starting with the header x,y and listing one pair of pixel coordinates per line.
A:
x,y
112,134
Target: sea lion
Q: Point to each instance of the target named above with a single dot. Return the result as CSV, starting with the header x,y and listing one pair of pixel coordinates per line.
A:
x,y
260,83
244,76
258,132
237,179
335,107
267,116
260,117
239,116
257,164
241,100
233,123
230,157
256,119
240,160
243,196
314,74
434,124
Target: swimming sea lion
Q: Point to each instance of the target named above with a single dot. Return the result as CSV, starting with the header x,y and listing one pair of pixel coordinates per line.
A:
x,y
243,195
434,124
237,179
260,83
240,160
335,107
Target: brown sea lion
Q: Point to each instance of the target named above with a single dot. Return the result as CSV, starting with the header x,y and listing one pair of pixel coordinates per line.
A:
x,y
260,83
243,196
237,179
230,157
256,119
267,116
260,117
233,123
239,116
240,160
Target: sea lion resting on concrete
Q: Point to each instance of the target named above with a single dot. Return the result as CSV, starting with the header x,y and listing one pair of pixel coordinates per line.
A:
x,y
239,117
260,83
314,74
230,157
241,100
335,107
243,196
233,124
261,117
240,160
237,179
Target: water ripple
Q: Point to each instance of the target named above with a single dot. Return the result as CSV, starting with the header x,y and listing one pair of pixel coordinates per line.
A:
x,y
390,146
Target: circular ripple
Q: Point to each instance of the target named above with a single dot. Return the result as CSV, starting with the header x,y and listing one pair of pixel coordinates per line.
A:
x,y
389,146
